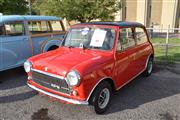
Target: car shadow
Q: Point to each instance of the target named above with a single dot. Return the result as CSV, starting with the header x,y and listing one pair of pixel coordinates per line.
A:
x,y
12,78
143,90
17,97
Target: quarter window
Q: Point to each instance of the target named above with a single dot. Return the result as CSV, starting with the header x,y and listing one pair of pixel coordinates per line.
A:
x,y
56,26
140,36
14,29
38,27
126,38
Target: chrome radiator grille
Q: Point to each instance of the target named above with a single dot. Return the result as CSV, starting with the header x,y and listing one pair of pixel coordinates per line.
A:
x,y
50,82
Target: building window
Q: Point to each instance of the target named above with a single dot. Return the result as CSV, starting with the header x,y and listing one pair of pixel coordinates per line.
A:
x,y
125,13
150,7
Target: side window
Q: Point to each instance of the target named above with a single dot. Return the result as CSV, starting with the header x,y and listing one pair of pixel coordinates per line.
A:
x,y
141,36
14,29
56,26
2,30
126,38
36,27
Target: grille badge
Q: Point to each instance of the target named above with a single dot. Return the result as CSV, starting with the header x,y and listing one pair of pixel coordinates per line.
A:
x,y
55,86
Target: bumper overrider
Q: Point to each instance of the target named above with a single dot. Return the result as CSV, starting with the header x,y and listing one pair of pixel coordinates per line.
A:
x,y
58,97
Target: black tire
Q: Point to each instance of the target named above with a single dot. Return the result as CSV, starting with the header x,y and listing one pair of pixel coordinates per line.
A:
x,y
95,99
149,67
53,48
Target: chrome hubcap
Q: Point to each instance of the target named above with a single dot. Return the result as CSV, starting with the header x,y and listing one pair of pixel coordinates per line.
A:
x,y
104,98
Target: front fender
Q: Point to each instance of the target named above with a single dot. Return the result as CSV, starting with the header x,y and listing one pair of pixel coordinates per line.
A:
x,y
48,44
8,58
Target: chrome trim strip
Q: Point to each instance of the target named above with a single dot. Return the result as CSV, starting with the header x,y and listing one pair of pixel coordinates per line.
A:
x,y
46,73
96,86
59,97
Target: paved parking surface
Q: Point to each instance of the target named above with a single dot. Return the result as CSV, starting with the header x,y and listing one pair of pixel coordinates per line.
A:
x,y
154,98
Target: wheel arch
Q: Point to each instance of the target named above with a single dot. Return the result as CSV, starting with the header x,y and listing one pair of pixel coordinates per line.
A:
x,y
108,79
47,45
149,56
152,56
53,47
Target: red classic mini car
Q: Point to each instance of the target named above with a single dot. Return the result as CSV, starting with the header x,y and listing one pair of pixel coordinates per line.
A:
x,y
94,59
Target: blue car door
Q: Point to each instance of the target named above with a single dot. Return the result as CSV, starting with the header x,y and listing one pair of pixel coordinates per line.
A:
x,y
14,45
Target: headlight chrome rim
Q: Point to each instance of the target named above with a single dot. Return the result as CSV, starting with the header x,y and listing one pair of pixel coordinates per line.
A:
x,y
70,75
27,66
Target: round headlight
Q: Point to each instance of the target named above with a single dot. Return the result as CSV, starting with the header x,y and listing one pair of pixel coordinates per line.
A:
x,y
27,66
73,78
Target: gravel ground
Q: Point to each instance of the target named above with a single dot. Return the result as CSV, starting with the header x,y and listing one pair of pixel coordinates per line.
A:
x,y
154,98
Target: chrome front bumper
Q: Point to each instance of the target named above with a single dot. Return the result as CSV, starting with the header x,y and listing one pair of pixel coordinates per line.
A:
x,y
59,97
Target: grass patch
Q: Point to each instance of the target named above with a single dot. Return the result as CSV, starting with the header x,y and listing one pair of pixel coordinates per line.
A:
x,y
163,40
173,51
172,55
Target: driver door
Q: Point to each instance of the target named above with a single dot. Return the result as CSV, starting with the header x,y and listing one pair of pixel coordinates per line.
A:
x,y
125,54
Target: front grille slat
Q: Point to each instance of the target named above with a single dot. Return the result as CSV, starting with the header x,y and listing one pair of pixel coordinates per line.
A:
x,y
50,82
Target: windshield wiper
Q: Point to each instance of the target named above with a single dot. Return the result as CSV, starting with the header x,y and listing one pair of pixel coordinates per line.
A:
x,y
70,46
83,46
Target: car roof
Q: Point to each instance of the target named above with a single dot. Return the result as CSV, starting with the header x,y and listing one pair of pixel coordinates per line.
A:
x,y
5,18
119,23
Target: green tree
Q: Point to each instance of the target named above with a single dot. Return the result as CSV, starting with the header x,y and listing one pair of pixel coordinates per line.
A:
x,y
80,10
13,6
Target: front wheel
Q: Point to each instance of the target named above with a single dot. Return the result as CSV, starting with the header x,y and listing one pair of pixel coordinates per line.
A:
x,y
101,97
149,67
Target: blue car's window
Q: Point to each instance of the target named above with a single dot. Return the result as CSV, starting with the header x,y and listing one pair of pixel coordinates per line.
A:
x,y
56,26
36,27
2,30
14,29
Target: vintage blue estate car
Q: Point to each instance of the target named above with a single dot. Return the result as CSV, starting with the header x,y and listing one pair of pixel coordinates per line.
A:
x,y
24,36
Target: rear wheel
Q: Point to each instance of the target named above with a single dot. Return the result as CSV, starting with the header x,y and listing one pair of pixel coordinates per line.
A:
x,y
149,67
101,97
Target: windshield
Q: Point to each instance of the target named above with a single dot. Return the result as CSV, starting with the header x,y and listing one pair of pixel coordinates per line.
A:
x,y
91,38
